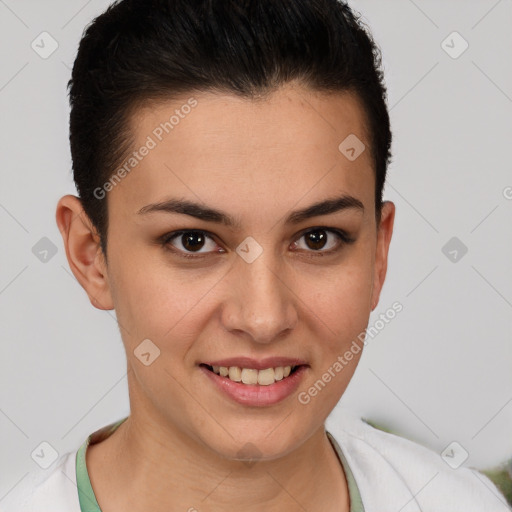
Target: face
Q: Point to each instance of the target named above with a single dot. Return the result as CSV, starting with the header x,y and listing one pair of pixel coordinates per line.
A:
x,y
254,279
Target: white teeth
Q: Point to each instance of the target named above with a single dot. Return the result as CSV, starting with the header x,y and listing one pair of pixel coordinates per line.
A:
x,y
251,376
266,377
235,373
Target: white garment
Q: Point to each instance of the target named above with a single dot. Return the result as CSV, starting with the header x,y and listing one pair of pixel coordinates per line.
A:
x,y
393,474
52,490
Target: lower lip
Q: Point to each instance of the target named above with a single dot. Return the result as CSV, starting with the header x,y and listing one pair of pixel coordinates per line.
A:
x,y
257,395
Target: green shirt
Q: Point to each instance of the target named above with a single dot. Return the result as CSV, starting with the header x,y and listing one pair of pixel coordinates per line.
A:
x,y
88,502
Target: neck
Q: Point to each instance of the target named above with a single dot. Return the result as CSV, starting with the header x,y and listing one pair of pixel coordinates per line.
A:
x,y
142,467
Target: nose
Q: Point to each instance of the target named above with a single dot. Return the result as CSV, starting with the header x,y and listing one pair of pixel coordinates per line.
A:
x,y
261,302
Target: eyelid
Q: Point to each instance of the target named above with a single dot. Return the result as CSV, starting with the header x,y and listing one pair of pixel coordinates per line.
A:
x,y
343,236
165,241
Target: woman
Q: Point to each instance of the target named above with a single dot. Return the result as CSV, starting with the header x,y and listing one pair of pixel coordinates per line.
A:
x,y
230,159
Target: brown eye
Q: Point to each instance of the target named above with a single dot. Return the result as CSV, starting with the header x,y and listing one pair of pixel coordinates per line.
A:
x,y
192,241
316,239
320,240
189,242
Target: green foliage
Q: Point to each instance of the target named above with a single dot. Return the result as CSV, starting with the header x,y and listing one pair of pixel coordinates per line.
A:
x,y
502,479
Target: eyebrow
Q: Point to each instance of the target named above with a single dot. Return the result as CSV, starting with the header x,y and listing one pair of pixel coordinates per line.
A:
x,y
186,207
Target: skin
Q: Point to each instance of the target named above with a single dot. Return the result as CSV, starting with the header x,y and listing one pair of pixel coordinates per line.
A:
x,y
258,161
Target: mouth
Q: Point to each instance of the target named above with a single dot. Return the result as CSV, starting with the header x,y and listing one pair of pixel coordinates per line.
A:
x,y
252,376
253,387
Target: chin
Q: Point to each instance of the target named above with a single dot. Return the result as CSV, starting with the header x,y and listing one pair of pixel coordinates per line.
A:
x,y
256,444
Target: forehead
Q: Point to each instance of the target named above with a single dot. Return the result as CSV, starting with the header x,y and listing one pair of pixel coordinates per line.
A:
x,y
289,115
212,145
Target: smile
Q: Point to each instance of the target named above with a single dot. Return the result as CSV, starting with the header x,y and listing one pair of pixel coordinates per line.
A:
x,y
252,376
252,387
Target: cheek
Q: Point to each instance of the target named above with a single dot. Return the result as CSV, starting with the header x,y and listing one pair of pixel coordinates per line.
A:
x,y
343,302
152,299
339,316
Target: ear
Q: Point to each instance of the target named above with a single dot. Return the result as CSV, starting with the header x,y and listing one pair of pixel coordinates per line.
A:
x,y
83,250
384,232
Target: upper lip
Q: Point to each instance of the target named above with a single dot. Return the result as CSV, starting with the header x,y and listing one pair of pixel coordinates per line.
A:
x,y
257,364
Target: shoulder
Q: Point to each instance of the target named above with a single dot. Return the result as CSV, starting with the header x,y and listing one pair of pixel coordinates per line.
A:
x,y
395,473
51,490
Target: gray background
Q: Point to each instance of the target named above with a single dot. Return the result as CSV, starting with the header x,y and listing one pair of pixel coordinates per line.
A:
x,y
440,371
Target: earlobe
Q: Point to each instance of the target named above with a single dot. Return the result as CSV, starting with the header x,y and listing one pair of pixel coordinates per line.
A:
x,y
384,233
83,251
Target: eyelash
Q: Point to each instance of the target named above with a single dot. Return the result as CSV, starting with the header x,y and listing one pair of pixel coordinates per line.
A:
x,y
165,240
